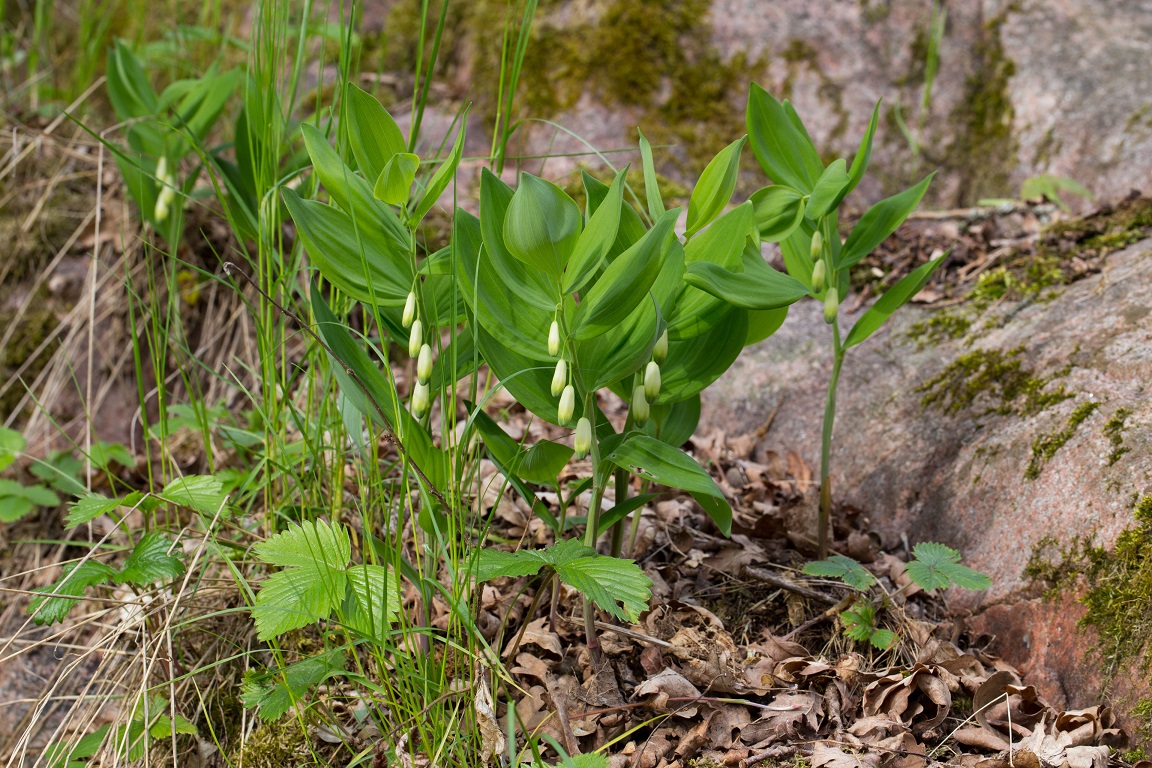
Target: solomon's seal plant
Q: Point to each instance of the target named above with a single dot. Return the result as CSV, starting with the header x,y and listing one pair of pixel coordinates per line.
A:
x,y
800,211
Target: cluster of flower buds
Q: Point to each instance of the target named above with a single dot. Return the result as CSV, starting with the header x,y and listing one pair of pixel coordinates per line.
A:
x,y
167,196
648,388
421,393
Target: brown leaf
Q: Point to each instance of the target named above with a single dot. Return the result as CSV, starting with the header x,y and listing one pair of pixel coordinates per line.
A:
x,y
919,697
834,757
788,716
536,633
492,741
670,684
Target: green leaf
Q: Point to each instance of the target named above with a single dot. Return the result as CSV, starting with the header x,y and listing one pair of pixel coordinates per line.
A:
x,y
674,423
373,134
762,323
442,178
658,461
495,563
313,545
617,586
60,755
150,562
11,443
860,625
829,190
92,505
759,286
394,185
532,286
543,462
40,495
295,598
542,226
273,693
894,298
880,221
373,600
697,312
624,284
202,493
74,581
103,454
844,568
598,237
714,189
611,516
694,363
13,508
651,182
783,149
936,566
863,153
779,210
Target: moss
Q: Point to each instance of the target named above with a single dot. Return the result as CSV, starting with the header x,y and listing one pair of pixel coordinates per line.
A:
x,y
1045,447
984,150
31,331
998,377
280,743
940,327
1114,431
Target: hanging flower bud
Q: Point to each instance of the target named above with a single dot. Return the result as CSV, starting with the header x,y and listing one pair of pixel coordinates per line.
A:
x,y
415,338
167,194
424,364
818,276
660,351
420,399
554,339
831,305
567,405
409,310
583,442
560,378
652,381
817,245
639,409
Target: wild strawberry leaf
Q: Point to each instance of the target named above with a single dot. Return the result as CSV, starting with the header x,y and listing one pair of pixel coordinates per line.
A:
x,y
150,562
844,568
75,580
936,566
273,692
202,493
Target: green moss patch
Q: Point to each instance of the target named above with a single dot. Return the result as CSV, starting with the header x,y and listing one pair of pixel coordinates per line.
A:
x,y
1046,446
1114,431
942,326
997,379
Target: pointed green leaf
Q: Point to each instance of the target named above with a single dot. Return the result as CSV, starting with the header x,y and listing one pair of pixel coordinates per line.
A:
x,y
273,693
714,189
598,236
762,323
829,190
894,298
697,312
295,598
863,153
779,210
651,182
317,546
74,581
150,562
759,286
784,150
373,600
880,221
373,134
936,566
442,178
394,184
542,226
11,443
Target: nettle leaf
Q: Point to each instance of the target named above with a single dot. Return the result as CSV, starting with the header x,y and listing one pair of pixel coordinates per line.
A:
x,y
860,625
11,443
936,566
150,562
656,460
829,189
880,221
542,225
373,599
202,493
844,568
272,693
317,546
714,189
779,210
894,298
74,581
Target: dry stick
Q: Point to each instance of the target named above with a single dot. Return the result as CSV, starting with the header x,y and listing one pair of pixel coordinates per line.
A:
x,y
762,574
230,268
832,612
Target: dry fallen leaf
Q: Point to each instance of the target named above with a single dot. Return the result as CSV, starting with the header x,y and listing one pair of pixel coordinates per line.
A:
x,y
834,757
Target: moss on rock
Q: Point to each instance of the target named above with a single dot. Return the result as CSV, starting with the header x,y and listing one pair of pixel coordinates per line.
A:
x,y
1045,447
993,376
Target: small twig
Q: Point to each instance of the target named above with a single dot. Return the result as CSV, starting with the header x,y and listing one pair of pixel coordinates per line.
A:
x,y
761,574
831,613
390,430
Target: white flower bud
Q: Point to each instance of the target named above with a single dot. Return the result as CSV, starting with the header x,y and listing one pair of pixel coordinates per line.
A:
x,y
554,339
409,310
415,338
560,378
818,273
167,194
583,442
831,305
817,245
424,364
420,397
640,409
660,351
567,405
652,381
161,211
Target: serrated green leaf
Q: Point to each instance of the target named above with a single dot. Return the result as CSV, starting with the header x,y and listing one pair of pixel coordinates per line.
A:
x,y
829,190
272,693
13,508
779,210
880,221
75,581
714,189
11,443
150,562
617,586
92,505
844,568
894,298
494,563
936,566
201,493
314,545
295,598
373,600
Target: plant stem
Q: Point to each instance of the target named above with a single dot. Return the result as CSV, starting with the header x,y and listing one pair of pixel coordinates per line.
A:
x,y
621,477
823,524
591,531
